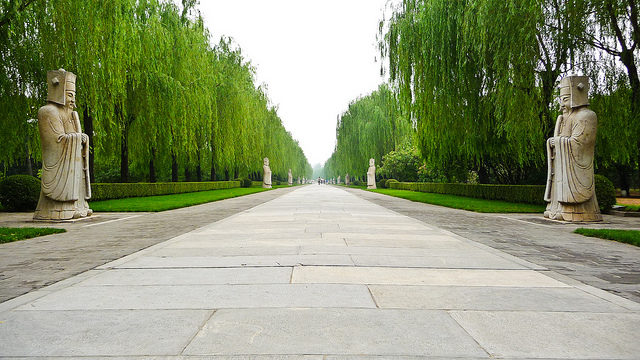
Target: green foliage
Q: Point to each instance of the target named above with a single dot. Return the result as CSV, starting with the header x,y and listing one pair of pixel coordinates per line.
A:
x,y
168,202
371,127
625,236
129,190
356,183
465,203
161,100
20,193
605,193
388,183
381,184
400,164
245,182
8,235
530,194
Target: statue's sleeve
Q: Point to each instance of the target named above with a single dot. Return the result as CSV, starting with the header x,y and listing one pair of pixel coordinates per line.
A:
x,y
61,158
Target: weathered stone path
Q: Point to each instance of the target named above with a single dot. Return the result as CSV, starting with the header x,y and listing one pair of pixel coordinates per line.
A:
x,y
319,273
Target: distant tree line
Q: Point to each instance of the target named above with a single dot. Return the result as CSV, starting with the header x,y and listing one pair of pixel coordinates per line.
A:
x,y
157,100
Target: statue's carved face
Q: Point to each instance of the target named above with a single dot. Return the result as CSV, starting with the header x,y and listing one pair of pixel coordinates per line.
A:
x,y
266,161
371,162
565,102
70,99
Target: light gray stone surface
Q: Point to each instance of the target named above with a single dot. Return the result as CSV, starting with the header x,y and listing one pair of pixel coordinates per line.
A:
x,y
106,332
553,334
238,287
333,331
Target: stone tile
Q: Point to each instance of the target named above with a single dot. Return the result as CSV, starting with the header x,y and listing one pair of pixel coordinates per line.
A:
x,y
333,331
553,334
226,251
489,298
204,297
397,242
86,333
235,261
416,276
194,276
487,261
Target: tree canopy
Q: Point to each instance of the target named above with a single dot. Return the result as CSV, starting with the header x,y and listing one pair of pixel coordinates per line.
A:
x,y
158,100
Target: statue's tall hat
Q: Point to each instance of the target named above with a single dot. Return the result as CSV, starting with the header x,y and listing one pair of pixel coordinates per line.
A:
x,y
577,87
58,83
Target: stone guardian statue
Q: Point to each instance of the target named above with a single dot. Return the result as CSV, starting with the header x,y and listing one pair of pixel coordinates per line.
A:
x,y
346,179
290,180
66,185
570,188
371,175
266,177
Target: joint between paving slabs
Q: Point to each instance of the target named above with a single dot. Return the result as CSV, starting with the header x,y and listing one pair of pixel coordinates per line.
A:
x,y
490,355
374,298
204,323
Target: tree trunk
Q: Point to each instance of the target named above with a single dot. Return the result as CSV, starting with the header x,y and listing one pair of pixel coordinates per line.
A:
x,y
152,166
483,174
187,174
226,174
628,60
174,168
124,156
88,129
235,173
28,158
199,168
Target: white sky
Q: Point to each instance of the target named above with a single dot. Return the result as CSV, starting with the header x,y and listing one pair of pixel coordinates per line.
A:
x,y
315,57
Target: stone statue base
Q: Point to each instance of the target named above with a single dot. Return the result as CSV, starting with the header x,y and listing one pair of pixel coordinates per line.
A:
x,y
587,211
61,210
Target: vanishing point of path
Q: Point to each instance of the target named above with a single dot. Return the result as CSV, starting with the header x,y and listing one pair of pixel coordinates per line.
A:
x,y
319,273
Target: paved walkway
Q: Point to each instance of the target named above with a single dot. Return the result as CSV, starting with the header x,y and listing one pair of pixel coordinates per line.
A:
x,y
31,264
607,265
319,273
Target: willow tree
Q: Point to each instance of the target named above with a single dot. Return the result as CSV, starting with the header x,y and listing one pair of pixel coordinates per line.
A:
x,y
371,127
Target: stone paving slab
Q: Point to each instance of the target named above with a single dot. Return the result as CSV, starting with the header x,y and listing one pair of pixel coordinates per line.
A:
x,y
152,297
413,276
98,333
489,298
235,261
206,276
333,331
553,335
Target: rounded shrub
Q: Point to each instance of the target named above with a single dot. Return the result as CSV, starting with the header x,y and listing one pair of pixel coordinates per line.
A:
x,y
388,183
381,184
605,193
245,182
20,193
356,183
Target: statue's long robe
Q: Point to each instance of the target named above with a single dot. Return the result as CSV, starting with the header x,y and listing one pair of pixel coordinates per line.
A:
x,y
371,177
266,177
571,191
64,187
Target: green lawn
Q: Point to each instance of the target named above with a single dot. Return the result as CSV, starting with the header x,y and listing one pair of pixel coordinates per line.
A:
x,y
464,203
632,207
168,202
626,236
8,235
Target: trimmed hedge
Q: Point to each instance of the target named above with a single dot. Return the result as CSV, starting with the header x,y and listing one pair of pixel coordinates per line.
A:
x,y
530,194
20,193
605,193
105,191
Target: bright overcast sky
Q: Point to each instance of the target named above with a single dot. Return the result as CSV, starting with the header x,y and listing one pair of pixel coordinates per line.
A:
x,y
314,56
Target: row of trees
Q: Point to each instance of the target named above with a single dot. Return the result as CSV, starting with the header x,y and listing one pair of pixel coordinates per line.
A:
x,y
371,127
478,77
157,100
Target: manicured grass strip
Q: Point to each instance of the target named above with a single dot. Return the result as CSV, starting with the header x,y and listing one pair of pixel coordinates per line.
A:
x,y
464,203
168,202
8,235
632,207
625,236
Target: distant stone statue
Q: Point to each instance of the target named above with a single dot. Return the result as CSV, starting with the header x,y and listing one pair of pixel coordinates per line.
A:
x,y
371,174
346,180
570,182
266,177
290,182
66,185
298,180
338,180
